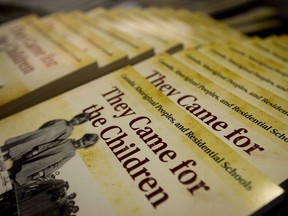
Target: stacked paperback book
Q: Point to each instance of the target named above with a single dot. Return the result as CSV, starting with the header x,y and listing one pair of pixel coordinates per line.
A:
x,y
140,111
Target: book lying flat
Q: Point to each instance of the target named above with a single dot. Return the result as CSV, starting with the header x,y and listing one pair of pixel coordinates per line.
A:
x,y
211,28
136,22
37,64
278,42
163,25
136,49
273,82
108,57
254,134
144,155
274,66
267,49
244,88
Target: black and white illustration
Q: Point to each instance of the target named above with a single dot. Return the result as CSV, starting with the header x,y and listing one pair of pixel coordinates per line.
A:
x,y
36,158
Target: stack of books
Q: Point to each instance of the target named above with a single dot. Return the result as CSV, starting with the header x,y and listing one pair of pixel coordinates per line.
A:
x,y
140,111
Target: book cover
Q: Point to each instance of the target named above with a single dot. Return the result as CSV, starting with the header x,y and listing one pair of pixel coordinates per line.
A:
x,y
127,152
107,55
270,64
277,41
268,49
247,69
166,17
34,62
136,49
244,88
210,25
252,133
195,28
134,23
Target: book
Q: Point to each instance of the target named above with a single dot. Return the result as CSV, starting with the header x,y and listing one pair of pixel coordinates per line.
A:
x,y
270,64
37,64
277,41
136,49
144,155
133,22
268,49
210,26
246,68
166,19
249,131
247,90
101,38
108,57
234,147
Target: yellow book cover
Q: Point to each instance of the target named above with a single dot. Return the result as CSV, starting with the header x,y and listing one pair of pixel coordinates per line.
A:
x,y
158,29
270,64
96,11
252,133
218,26
267,49
107,55
209,32
133,23
118,146
206,31
238,85
210,26
247,69
136,49
168,21
284,37
33,60
281,39
275,41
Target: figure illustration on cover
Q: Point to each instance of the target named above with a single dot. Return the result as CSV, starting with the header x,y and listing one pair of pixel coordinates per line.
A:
x,y
37,156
